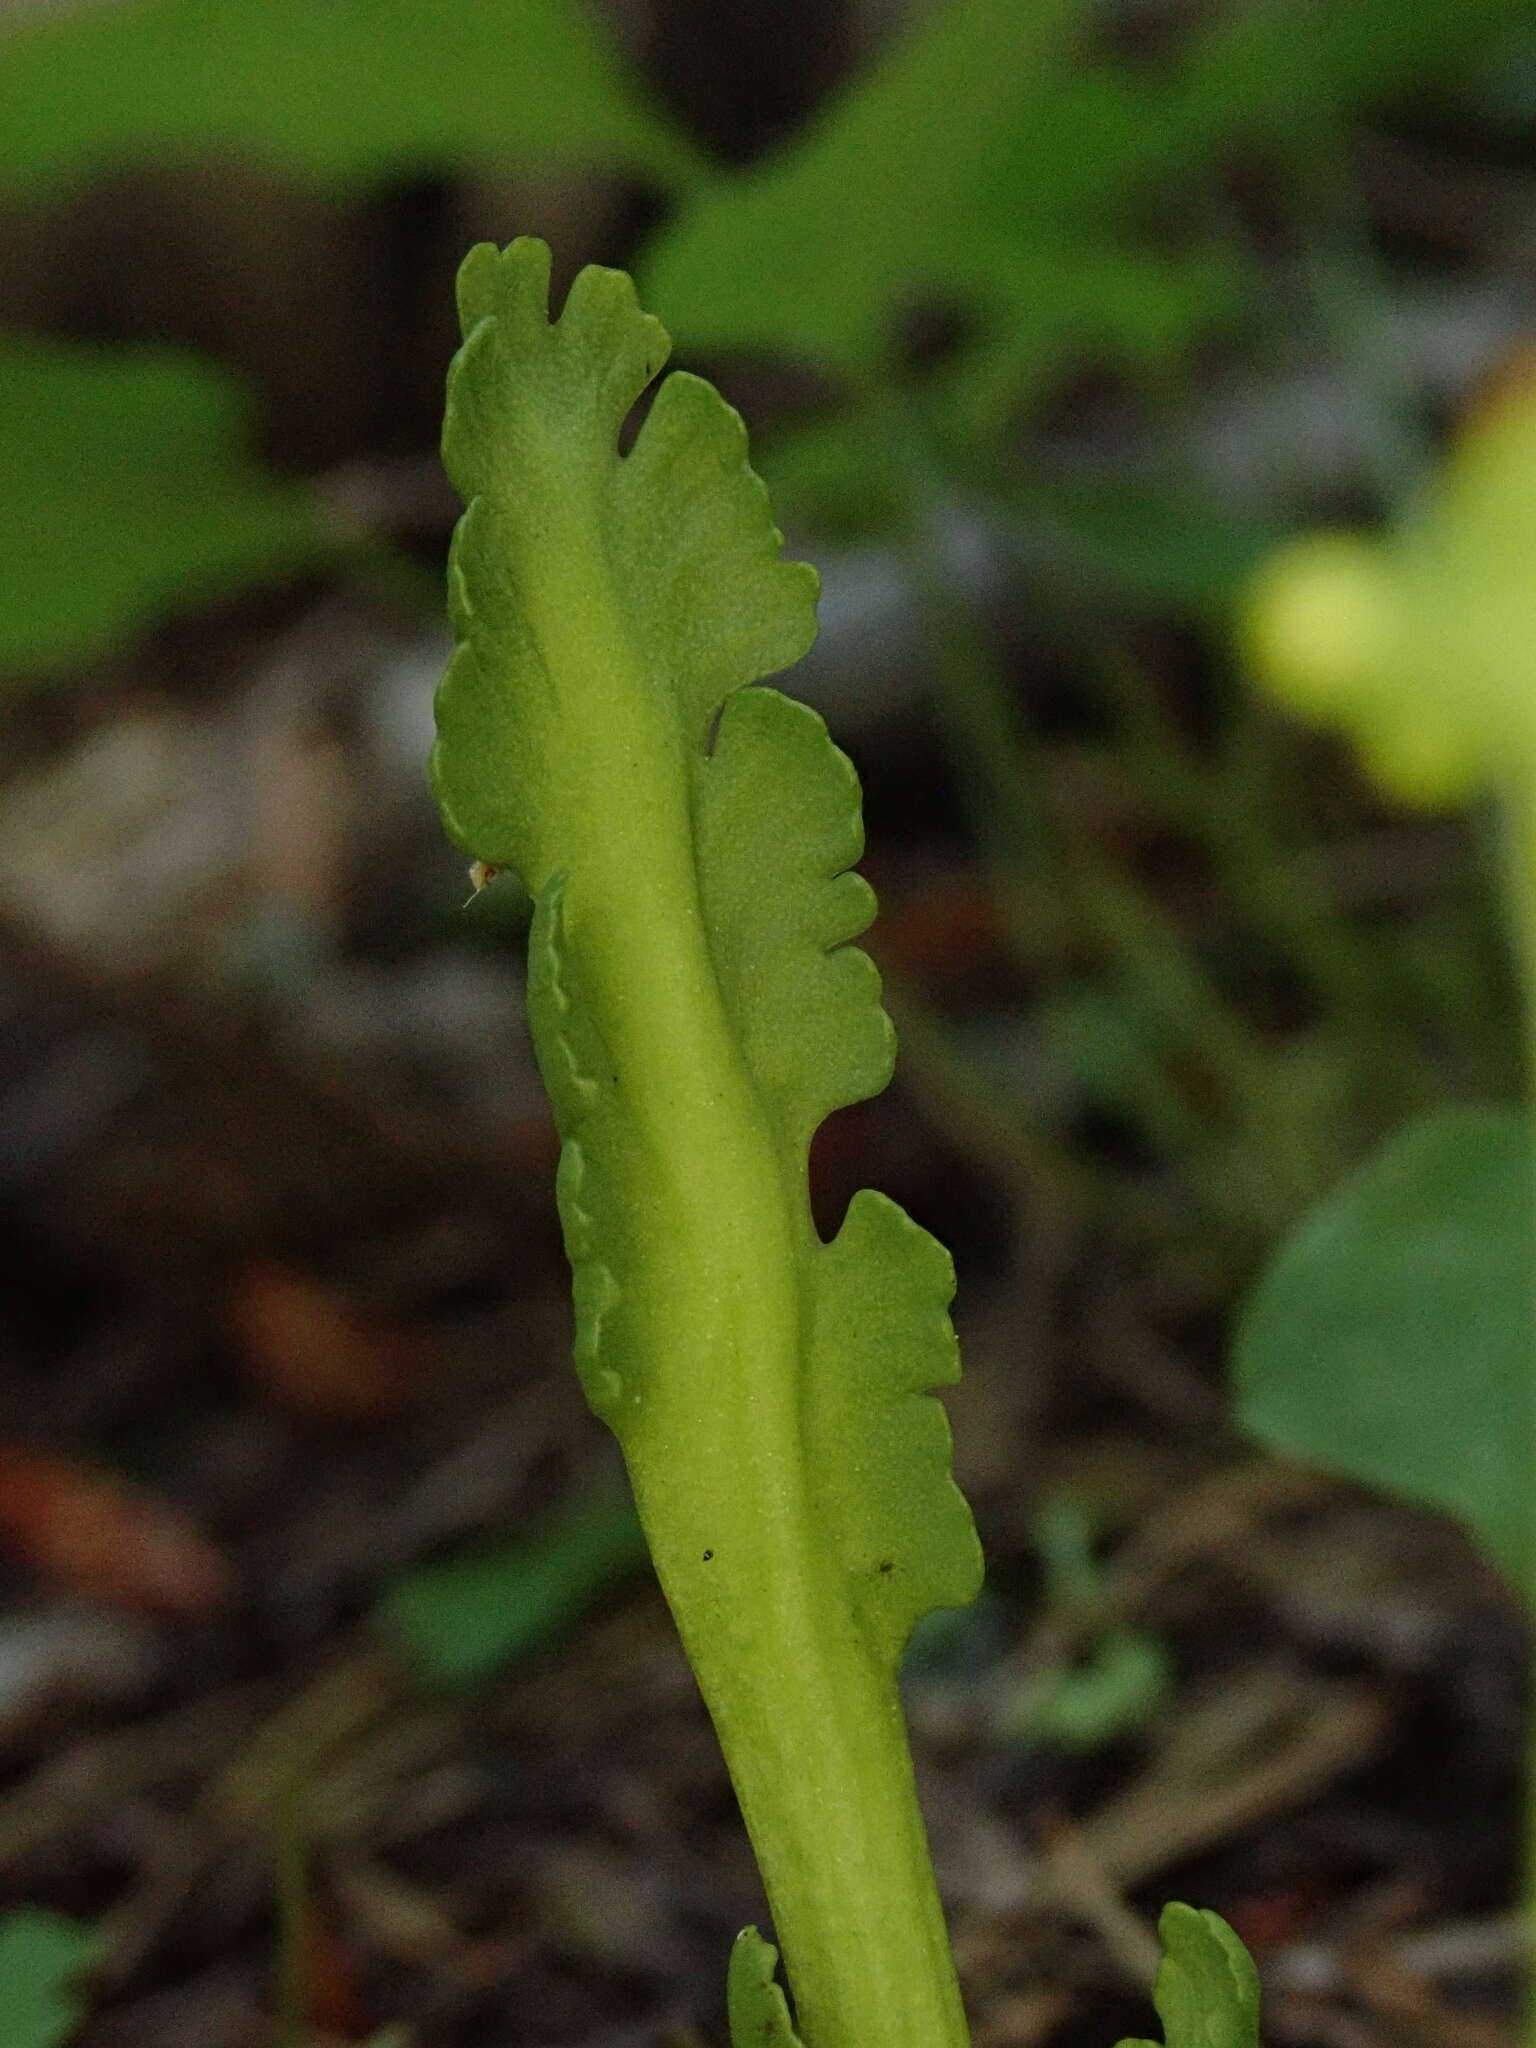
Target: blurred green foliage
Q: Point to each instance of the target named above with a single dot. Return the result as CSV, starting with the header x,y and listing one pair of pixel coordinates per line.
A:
x,y
1122,1675
42,1955
994,164
127,491
465,1618
984,165
1390,1339
1418,646
350,91
992,161
1064,206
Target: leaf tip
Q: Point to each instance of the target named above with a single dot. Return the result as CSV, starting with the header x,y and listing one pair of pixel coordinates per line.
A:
x,y
755,2002
490,279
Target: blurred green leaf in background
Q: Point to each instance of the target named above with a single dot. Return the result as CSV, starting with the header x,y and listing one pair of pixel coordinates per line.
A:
x,y
463,1619
981,164
351,91
128,490
41,1957
125,491
997,166
1389,1339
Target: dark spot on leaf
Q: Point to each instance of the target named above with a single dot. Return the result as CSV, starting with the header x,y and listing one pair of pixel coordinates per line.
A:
x,y
886,1565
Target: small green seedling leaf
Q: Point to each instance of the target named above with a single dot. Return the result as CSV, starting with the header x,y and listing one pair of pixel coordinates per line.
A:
x,y
346,91
1207,1990
1117,1688
463,1620
126,495
1121,1677
1391,1338
42,1956
755,2002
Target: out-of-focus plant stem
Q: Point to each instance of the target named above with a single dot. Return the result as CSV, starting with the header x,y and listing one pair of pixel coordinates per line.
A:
x,y
1003,796
1519,838
1225,812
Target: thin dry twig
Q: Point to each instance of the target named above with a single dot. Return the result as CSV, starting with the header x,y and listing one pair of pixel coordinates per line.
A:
x,y
1085,1888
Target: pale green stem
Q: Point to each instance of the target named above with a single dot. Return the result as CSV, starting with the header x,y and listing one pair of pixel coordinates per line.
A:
x,y
808,1716
822,1771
